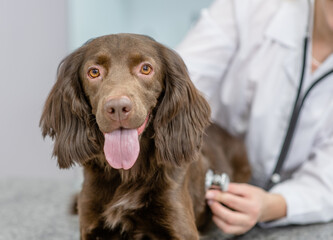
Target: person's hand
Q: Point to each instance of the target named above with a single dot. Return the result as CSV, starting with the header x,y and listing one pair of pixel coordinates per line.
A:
x,y
243,206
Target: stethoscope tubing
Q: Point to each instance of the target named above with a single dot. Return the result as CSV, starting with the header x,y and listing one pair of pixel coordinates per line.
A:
x,y
298,105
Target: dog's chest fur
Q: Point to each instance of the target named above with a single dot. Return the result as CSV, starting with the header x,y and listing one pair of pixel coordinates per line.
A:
x,y
127,205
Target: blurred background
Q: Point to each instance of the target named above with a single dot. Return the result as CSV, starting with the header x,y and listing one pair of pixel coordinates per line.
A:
x,y
36,34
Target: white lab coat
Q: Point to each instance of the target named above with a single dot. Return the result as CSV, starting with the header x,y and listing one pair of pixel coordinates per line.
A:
x,y
246,58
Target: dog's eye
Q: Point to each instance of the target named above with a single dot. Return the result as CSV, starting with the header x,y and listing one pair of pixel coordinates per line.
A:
x,y
146,69
94,73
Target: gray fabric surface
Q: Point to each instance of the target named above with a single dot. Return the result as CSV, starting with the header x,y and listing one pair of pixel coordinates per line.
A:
x,y
39,209
36,209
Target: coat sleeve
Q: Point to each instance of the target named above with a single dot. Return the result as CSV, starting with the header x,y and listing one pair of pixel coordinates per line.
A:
x,y
210,45
309,193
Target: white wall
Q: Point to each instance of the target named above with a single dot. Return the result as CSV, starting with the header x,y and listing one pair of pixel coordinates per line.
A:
x,y
165,20
33,40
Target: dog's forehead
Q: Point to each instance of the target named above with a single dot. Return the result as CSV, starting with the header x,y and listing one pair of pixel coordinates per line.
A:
x,y
122,46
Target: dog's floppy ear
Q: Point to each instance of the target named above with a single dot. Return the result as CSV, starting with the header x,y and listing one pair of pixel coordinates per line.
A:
x,y
182,116
66,117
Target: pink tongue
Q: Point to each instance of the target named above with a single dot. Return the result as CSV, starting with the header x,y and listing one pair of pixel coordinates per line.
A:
x,y
121,148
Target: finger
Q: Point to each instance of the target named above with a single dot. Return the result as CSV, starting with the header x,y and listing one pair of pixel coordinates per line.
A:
x,y
227,228
228,216
235,202
240,189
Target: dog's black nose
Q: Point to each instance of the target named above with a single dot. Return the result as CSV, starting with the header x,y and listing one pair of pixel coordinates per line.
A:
x,y
118,108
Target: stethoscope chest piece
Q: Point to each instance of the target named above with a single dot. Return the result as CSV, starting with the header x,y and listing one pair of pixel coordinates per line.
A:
x,y
219,181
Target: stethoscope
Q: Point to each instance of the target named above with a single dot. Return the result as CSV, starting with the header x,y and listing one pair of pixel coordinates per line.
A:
x,y
299,102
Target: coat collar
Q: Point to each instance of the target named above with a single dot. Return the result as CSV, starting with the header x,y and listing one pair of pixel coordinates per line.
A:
x,y
289,28
287,32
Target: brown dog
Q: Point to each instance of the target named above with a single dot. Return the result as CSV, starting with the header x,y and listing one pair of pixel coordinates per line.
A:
x,y
125,109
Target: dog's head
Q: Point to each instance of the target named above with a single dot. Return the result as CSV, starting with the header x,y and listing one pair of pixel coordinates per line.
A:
x,y
109,91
